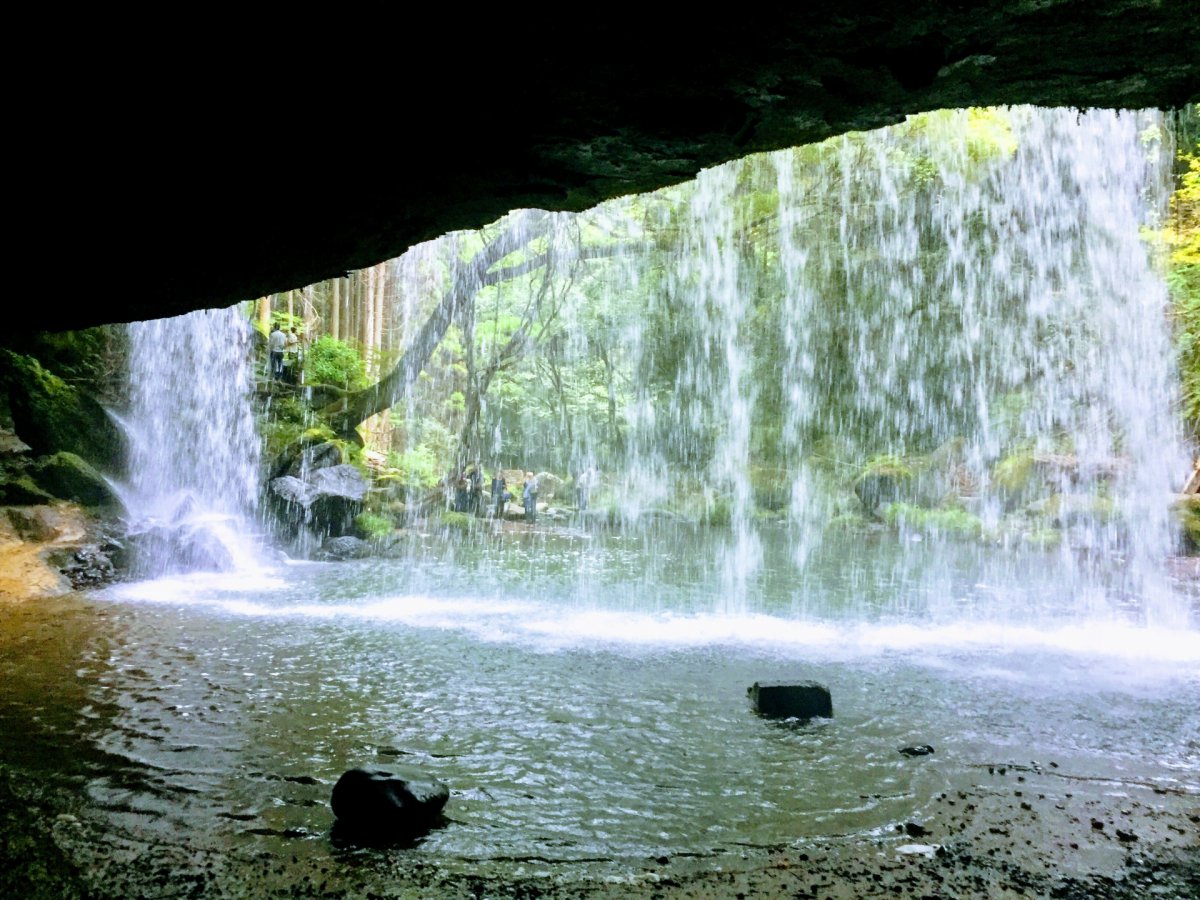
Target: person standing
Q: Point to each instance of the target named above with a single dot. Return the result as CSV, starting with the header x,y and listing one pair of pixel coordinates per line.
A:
x,y
294,357
500,494
529,496
475,480
276,341
583,487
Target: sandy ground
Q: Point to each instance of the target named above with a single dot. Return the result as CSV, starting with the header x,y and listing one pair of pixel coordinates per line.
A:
x,y
1017,832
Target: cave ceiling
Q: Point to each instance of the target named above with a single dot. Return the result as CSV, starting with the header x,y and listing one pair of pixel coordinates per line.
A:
x,y
166,180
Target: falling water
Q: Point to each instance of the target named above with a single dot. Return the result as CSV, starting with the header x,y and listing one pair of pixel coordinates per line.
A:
x,y
193,469
969,296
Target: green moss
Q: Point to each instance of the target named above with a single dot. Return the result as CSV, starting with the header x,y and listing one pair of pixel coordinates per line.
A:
x,y
1068,508
847,521
1042,538
943,521
772,488
69,477
51,415
22,491
1014,473
718,513
1187,514
883,479
456,521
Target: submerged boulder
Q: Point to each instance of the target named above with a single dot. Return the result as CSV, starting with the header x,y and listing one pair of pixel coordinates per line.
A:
x,y
791,700
377,803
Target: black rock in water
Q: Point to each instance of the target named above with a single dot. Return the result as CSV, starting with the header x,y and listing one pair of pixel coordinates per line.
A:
x,y
345,547
377,803
919,750
791,700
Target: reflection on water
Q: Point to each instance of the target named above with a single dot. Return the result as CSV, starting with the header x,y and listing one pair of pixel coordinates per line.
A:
x,y
577,708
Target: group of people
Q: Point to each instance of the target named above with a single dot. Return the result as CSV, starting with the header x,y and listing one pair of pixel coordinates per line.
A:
x,y
285,355
468,493
501,495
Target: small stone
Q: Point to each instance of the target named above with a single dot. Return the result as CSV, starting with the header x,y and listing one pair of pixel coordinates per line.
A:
x,y
1126,836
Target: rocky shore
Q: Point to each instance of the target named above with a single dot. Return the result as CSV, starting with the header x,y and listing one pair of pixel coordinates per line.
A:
x,y
1018,831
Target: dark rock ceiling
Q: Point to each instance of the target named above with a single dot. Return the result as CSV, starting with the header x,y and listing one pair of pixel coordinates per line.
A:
x,y
163,180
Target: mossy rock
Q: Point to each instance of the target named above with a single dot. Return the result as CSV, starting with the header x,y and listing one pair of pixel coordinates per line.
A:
x,y
1042,538
1071,509
884,480
20,490
772,488
1187,513
847,521
69,477
1015,477
947,521
51,415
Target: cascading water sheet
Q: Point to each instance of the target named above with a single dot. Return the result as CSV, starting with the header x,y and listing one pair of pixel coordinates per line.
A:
x,y
193,479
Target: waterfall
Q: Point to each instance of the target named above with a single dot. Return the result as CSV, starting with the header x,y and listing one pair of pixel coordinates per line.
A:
x,y
192,490
961,309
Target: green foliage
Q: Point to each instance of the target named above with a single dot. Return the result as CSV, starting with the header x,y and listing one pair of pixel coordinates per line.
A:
x,y
370,526
456,521
286,421
1187,513
416,467
286,321
1182,238
330,361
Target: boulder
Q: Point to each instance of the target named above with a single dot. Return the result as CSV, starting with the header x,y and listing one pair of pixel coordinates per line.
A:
x,y
345,547
326,502
20,490
50,415
69,477
884,480
791,700
318,456
549,485
376,803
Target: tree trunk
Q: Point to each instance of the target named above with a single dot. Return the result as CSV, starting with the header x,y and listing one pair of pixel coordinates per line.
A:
x,y
335,308
347,413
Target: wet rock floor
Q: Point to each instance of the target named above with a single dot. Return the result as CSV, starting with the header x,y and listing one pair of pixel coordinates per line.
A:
x,y
1016,832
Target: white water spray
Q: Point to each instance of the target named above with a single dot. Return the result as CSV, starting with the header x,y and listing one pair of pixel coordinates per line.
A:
x,y
192,490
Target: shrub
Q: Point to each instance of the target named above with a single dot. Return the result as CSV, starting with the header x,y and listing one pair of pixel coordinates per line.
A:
x,y
330,361
370,526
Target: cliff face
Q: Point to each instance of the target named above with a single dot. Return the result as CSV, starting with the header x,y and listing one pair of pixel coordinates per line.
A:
x,y
173,179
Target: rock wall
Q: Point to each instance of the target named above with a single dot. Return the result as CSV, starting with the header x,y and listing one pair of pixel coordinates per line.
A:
x,y
269,172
